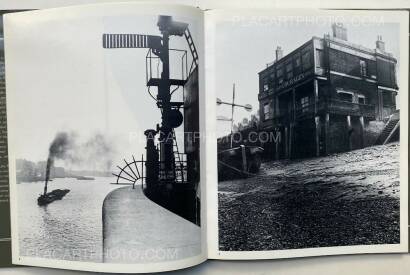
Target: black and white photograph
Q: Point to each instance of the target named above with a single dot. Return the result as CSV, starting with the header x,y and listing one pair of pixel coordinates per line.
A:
x,y
150,137
308,131
103,109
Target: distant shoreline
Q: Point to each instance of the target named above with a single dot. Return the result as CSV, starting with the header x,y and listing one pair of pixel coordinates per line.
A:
x,y
41,180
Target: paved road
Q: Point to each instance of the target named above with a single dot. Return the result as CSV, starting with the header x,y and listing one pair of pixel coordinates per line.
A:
x,y
343,199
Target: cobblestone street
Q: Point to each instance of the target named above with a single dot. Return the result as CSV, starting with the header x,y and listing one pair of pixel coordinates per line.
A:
x,y
344,199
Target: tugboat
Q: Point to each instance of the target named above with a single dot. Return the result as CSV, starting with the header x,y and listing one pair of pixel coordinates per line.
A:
x,y
54,195
47,198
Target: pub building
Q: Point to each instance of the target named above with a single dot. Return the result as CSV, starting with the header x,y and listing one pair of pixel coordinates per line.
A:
x,y
327,96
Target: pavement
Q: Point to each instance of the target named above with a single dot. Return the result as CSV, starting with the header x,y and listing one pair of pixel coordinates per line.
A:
x,y
137,230
343,199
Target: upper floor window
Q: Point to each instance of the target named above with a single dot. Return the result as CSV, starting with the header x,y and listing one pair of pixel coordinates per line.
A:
x,y
289,72
279,75
306,61
388,99
266,111
297,61
265,87
363,67
361,99
279,72
345,96
319,58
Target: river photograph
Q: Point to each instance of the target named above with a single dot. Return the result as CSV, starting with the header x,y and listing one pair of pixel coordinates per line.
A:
x,y
88,184
67,229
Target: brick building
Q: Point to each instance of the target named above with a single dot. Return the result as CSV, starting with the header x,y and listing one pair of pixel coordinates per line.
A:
x,y
329,95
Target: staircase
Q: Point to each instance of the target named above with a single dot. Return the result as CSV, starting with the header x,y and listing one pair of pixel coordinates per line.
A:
x,y
391,127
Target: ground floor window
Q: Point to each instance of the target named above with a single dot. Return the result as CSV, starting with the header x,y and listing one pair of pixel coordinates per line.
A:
x,y
304,103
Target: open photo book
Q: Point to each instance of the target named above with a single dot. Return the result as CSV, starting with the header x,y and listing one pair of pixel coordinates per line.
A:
x,y
152,137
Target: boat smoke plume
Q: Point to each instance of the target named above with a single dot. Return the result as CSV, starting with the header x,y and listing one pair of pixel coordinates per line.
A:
x,y
59,148
95,153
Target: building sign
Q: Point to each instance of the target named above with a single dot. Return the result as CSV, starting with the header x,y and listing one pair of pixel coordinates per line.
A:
x,y
292,81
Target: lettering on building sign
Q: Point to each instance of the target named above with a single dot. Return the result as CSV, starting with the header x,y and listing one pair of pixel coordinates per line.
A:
x,y
291,81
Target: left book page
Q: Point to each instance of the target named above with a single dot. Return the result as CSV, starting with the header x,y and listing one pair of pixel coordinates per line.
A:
x,y
104,112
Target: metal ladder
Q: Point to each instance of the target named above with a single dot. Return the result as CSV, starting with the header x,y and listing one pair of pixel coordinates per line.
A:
x,y
179,164
191,45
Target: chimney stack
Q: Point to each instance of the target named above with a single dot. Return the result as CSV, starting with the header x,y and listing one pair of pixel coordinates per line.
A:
x,y
339,31
279,53
380,43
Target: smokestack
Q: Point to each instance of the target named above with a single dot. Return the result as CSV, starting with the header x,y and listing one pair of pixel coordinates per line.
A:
x,y
380,43
58,149
50,162
279,53
339,31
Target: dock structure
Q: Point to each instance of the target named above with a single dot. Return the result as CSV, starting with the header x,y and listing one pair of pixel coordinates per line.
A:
x,y
137,230
169,172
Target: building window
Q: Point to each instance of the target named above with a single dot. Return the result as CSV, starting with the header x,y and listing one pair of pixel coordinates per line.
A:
x,y
265,87
289,73
297,61
361,99
306,61
279,72
304,103
388,99
266,111
319,58
272,80
363,67
344,96
279,75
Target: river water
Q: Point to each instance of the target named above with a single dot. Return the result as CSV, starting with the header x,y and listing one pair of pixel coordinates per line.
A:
x,y
67,229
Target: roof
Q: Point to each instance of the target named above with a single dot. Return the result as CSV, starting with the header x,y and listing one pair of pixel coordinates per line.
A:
x,y
333,39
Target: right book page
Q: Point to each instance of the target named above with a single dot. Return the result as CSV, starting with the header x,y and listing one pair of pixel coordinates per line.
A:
x,y
309,123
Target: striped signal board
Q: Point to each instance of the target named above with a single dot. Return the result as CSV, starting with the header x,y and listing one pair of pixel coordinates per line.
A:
x,y
122,40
